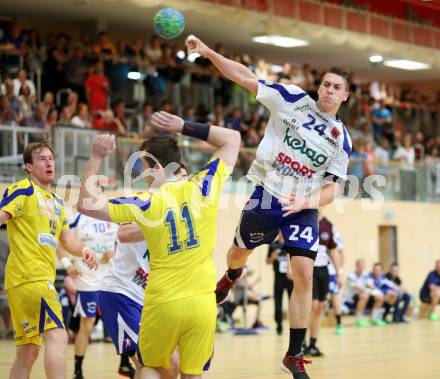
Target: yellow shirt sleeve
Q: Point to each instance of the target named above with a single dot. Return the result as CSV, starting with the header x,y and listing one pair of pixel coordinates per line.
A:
x,y
14,199
130,208
212,177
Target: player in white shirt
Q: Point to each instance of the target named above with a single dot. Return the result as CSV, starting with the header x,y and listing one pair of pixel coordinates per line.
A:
x,y
305,150
121,297
101,237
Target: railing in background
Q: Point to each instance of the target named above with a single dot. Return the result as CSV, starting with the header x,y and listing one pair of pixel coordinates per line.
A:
x,y
419,182
13,139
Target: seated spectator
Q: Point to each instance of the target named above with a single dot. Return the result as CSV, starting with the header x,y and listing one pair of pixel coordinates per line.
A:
x,y
166,106
7,114
189,114
66,116
141,123
97,89
403,297
361,296
216,117
13,99
107,121
119,114
49,102
82,117
382,151
378,282
430,291
405,153
52,118
72,102
22,80
36,119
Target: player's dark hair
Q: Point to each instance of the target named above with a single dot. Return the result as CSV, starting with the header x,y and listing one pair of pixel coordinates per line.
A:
x,y
164,148
343,73
34,146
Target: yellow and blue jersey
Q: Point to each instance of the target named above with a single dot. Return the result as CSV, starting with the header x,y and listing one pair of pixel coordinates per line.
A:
x,y
37,219
179,223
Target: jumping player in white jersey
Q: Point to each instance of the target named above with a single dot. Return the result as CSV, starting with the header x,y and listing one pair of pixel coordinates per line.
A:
x,y
101,237
305,150
121,295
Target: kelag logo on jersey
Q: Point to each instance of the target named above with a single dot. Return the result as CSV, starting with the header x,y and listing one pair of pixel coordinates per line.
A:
x,y
301,146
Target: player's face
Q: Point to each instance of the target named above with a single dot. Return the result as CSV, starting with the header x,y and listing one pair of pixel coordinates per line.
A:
x,y
43,166
332,93
377,270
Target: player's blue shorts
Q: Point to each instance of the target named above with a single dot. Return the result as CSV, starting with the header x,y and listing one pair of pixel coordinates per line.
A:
x,y
333,287
262,219
121,317
86,304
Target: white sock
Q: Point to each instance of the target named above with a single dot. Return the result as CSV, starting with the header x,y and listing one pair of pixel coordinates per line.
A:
x,y
376,314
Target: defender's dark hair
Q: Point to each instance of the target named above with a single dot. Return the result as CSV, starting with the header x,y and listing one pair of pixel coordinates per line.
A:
x,y
163,148
343,73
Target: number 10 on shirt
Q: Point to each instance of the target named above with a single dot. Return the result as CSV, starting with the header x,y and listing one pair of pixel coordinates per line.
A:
x,y
175,245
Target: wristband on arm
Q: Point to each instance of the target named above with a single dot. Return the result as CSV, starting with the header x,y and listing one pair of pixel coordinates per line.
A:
x,y
196,129
65,262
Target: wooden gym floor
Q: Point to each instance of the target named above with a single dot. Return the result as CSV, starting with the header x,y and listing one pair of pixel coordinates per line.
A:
x,y
392,352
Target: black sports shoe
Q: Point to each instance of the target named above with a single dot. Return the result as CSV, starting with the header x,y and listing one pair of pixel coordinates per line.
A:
x,y
294,365
127,370
314,352
224,285
78,375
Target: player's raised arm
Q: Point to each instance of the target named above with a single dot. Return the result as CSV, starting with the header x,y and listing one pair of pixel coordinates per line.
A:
x,y
92,202
226,141
234,71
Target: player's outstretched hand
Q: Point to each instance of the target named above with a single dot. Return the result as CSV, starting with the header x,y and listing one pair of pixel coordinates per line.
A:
x,y
103,145
194,45
167,122
295,204
89,258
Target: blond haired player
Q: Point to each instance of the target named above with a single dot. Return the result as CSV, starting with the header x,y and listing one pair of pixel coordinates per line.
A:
x,y
36,222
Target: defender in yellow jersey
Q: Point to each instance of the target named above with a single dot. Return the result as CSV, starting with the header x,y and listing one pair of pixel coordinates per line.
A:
x,y
178,221
36,222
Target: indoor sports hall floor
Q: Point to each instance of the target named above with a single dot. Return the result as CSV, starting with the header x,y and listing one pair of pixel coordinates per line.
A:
x,y
392,352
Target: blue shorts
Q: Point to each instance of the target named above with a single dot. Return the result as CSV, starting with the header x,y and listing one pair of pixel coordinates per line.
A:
x,y
333,287
86,304
121,317
262,219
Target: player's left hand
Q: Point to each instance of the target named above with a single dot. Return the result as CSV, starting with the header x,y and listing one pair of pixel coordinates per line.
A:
x,y
295,204
89,258
167,122
103,145
106,257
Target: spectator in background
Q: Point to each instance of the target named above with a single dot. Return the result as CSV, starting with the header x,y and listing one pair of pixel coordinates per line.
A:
x,y
119,114
48,102
97,89
35,52
380,116
26,101
85,45
22,80
189,114
104,48
382,151
141,123
297,76
11,47
362,296
403,297
52,118
430,291
405,153
77,70
107,121
279,260
216,117
419,148
54,66
235,120
13,99
72,102
4,307
166,106
285,75
7,114
82,118
378,282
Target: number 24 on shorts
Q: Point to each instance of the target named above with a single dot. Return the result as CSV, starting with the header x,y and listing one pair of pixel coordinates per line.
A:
x,y
306,234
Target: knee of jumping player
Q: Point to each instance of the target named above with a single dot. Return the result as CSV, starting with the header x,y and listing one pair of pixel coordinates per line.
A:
x,y
28,354
303,280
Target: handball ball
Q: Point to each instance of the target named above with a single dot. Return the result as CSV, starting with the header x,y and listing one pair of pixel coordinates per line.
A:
x,y
169,23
